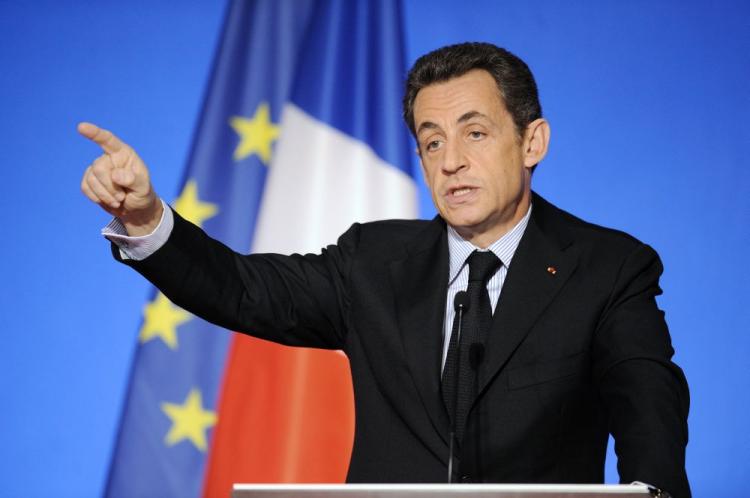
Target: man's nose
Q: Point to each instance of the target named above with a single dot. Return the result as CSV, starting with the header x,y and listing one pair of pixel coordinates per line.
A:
x,y
455,158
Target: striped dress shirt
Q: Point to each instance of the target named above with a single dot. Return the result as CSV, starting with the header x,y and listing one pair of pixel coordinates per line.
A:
x,y
458,271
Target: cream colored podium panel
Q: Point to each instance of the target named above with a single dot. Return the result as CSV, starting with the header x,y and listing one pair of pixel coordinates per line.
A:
x,y
440,491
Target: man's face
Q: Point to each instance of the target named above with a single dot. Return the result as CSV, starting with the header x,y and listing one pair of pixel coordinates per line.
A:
x,y
472,156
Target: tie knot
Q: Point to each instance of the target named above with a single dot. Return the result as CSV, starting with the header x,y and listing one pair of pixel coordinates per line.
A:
x,y
482,265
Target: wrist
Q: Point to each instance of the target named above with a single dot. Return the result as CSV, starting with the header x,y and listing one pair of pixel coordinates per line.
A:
x,y
146,221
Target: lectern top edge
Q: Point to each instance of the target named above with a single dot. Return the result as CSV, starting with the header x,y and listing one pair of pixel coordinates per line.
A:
x,y
440,491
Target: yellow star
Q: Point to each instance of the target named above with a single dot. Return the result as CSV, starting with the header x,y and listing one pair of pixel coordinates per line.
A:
x,y
189,420
161,319
256,134
190,206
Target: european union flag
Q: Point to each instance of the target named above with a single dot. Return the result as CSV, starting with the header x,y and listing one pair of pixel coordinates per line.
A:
x,y
170,409
312,91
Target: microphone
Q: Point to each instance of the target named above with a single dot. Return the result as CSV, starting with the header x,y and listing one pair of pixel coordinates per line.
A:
x,y
461,305
461,302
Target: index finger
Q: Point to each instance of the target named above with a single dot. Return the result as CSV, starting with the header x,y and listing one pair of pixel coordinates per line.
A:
x,y
104,138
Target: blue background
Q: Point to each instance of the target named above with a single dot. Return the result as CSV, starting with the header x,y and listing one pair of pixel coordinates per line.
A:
x,y
648,103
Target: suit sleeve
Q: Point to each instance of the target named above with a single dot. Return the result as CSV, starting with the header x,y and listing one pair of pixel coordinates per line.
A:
x,y
645,393
297,300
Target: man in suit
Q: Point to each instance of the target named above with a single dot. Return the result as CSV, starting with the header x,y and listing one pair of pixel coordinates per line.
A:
x,y
562,343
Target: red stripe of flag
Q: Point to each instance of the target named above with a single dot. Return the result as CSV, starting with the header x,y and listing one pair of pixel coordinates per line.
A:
x,y
285,415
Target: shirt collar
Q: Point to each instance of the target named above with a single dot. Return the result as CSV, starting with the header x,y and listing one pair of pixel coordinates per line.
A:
x,y
504,247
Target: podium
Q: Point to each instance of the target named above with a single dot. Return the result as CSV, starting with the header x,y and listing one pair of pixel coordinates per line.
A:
x,y
442,491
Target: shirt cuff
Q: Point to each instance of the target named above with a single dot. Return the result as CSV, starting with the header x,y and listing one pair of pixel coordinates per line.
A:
x,y
139,248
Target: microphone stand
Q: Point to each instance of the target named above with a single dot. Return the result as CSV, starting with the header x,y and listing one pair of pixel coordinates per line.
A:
x,y
476,357
460,304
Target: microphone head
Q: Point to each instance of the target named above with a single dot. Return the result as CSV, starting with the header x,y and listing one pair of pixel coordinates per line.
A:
x,y
461,301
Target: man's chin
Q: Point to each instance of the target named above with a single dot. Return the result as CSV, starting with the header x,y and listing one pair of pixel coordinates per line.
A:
x,y
464,225
461,216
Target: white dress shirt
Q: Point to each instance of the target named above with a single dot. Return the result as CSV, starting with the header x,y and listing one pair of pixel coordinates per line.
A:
x,y
458,271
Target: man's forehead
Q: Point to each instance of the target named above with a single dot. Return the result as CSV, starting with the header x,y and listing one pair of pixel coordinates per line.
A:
x,y
471,95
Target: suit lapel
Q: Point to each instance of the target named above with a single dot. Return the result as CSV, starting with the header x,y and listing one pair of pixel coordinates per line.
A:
x,y
541,265
420,282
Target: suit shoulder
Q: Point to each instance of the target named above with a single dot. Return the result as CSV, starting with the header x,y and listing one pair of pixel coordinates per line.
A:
x,y
581,230
606,254
386,237
395,226
599,246
392,231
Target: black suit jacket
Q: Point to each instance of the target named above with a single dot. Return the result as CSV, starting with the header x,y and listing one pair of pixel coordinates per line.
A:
x,y
578,348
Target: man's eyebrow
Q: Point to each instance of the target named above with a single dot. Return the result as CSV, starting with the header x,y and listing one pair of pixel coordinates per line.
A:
x,y
471,114
426,125
429,125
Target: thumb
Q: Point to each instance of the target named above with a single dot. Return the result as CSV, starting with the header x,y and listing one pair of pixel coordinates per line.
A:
x,y
133,177
123,177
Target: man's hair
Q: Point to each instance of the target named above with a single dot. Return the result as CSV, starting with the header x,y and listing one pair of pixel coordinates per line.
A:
x,y
513,77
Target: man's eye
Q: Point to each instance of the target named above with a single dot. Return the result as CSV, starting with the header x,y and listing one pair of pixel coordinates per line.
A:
x,y
476,135
433,145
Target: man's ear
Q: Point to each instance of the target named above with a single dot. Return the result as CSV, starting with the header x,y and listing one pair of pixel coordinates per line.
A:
x,y
535,142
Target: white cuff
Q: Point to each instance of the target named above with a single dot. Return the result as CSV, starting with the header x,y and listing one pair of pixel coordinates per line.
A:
x,y
139,248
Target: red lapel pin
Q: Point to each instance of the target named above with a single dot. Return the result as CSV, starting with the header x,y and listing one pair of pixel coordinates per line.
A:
x,y
551,270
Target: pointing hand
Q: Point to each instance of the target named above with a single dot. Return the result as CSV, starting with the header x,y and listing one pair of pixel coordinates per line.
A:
x,y
118,181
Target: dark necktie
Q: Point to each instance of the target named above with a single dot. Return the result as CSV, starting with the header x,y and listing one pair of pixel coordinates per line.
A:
x,y
459,375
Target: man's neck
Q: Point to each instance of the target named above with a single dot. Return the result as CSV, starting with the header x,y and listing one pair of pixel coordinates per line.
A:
x,y
483,236
504,247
